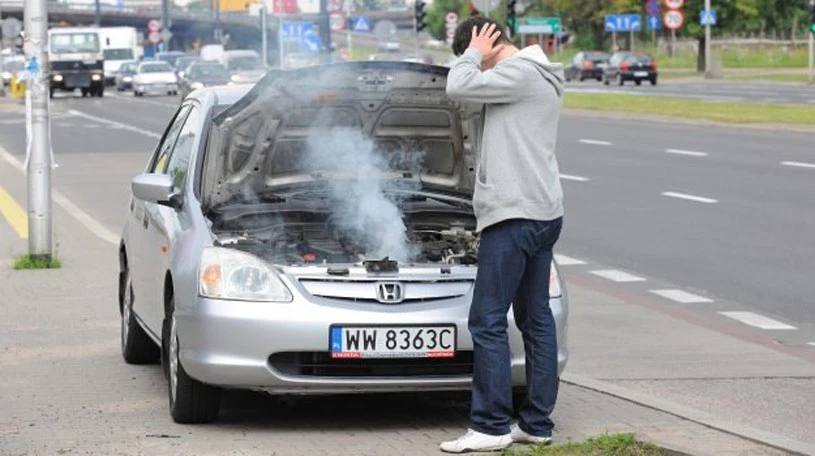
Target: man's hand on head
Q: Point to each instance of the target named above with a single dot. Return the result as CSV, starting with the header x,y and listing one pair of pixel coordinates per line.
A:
x,y
484,41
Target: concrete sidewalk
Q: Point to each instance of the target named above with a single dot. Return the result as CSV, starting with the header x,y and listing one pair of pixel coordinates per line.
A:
x,y
65,387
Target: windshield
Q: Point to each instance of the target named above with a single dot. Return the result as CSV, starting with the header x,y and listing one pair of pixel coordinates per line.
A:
x,y
208,71
159,67
249,62
62,43
118,54
183,62
596,56
169,58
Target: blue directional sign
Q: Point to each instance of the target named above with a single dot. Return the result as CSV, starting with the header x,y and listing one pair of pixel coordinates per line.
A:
x,y
311,42
623,23
361,24
653,8
296,30
654,23
708,17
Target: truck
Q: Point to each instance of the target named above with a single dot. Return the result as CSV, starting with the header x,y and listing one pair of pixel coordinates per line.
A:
x,y
76,60
119,45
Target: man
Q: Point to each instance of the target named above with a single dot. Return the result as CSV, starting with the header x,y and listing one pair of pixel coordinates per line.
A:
x,y
518,207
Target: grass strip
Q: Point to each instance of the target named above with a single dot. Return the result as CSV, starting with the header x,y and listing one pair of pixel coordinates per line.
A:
x,y
603,445
729,112
29,262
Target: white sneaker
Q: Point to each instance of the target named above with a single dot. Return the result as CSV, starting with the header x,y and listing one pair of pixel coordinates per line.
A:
x,y
521,436
476,441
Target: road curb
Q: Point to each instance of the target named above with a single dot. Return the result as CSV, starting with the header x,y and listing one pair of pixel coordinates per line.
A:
x,y
623,115
769,439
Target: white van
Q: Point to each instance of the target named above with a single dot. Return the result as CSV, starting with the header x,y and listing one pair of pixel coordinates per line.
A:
x,y
119,45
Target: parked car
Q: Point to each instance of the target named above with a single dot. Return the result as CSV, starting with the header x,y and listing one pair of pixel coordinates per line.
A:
x,y
630,66
587,65
202,74
240,266
124,77
155,78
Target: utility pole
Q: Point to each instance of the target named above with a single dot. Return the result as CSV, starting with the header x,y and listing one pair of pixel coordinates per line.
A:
x,y
217,34
40,236
349,45
811,34
97,17
264,34
707,41
325,30
165,23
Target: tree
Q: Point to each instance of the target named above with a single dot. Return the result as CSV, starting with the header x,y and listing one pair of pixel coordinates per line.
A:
x,y
435,16
588,16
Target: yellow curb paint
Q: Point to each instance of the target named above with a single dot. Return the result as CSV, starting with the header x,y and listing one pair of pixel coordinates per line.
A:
x,y
14,213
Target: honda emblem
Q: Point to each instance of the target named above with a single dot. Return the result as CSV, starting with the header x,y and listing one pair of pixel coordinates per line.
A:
x,y
389,292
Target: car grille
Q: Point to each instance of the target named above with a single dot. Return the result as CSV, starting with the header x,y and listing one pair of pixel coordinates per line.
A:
x,y
415,291
76,65
320,364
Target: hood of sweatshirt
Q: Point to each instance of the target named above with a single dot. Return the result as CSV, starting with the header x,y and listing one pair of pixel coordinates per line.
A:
x,y
552,72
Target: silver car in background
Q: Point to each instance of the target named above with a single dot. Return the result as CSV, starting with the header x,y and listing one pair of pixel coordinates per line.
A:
x,y
157,78
310,235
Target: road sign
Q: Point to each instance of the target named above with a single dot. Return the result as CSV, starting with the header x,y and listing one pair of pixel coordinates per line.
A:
x,y
654,23
623,23
653,8
708,17
534,25
361,24
450,25
336,21
154,37
312,42
296,29
674,4
673,19
153,25
385,30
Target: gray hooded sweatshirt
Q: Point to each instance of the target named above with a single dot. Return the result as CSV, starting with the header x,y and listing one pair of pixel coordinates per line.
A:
x,y
517,174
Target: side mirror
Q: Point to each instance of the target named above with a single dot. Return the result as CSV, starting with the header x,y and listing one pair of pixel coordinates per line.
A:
x,y
155,188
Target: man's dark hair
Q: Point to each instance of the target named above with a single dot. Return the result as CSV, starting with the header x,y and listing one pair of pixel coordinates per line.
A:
x,y
464,32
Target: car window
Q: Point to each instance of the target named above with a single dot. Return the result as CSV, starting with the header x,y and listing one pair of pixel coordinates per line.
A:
x,y
160,163
182,150
156,67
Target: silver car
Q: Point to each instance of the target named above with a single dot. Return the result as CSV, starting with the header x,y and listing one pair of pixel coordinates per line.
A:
x,y
310,235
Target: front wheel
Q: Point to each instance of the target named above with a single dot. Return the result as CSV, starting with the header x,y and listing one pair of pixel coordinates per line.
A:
x,y
190,400
137,347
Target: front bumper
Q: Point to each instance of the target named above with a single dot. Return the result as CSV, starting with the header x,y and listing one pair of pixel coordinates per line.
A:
x,y
78,80
156,88
231,343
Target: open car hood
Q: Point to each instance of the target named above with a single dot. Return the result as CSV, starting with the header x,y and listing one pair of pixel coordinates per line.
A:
x,y
269,140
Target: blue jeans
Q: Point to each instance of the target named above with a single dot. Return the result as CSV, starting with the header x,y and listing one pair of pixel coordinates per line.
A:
x,y
514,261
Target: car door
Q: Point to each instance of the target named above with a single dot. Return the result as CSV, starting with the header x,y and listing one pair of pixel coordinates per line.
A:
x,y
165,223
143,246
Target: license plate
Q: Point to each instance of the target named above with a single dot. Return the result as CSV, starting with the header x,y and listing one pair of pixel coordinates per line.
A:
x,y
641,74
432,341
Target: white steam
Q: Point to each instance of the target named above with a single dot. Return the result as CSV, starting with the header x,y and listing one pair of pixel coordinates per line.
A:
x,y
360,187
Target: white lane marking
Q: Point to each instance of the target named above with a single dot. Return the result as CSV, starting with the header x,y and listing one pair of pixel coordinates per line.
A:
x,y
573,178
617,276
685,196
595,142
116,124
142,100
811,343
758,321
564,260
681,296
75,211
798,164
686,152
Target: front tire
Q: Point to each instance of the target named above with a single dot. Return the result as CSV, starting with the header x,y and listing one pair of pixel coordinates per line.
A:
x,y
191,401
137,347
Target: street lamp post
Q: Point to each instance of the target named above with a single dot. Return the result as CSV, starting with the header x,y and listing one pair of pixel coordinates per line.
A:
x,y
707,40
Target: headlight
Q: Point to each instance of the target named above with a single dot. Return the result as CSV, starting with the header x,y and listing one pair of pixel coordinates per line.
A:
x,y
96,77
555,290
232,274
234,78
196,86
127,79
57,78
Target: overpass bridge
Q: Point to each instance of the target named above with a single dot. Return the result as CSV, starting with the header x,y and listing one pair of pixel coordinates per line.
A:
x,y
186,26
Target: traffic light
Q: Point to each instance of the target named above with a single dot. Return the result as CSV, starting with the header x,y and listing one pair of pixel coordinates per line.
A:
x,y
419,14
511,20
811,17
